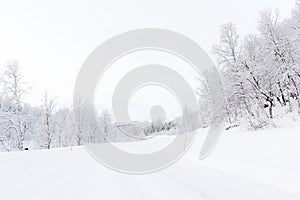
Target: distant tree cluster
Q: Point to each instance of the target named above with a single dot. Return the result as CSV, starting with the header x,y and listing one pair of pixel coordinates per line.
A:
x,y
23,126
45,126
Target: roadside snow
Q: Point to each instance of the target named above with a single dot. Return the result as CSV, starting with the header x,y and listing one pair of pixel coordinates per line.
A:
x,y
245,165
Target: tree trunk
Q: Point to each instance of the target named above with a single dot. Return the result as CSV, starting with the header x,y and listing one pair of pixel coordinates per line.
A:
x,y
271,109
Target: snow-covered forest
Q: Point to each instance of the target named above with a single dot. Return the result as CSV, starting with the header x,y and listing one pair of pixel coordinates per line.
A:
x,y
23,126
261,72
261,75
43,126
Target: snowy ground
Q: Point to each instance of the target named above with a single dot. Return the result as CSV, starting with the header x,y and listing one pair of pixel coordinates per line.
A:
x,y
245,165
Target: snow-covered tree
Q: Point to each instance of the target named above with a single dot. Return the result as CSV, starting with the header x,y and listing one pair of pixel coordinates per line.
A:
x,y
13,121
49,125
261,72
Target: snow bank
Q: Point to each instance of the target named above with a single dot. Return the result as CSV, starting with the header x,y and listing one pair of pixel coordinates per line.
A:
x,y
245,165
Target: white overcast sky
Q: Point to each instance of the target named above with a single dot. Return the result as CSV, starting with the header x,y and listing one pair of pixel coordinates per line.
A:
x,y
51,39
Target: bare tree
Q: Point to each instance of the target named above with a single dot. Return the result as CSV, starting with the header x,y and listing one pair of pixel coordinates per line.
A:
x,y
14,88
48,108
104,121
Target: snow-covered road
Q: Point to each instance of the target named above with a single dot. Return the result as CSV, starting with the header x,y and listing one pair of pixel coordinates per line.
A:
x,y
260,165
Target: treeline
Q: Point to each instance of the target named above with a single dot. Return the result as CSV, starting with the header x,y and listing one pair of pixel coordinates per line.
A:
x,y
44,127
23,126
261,73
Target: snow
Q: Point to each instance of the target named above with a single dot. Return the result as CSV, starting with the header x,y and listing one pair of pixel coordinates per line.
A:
x,y
261,164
